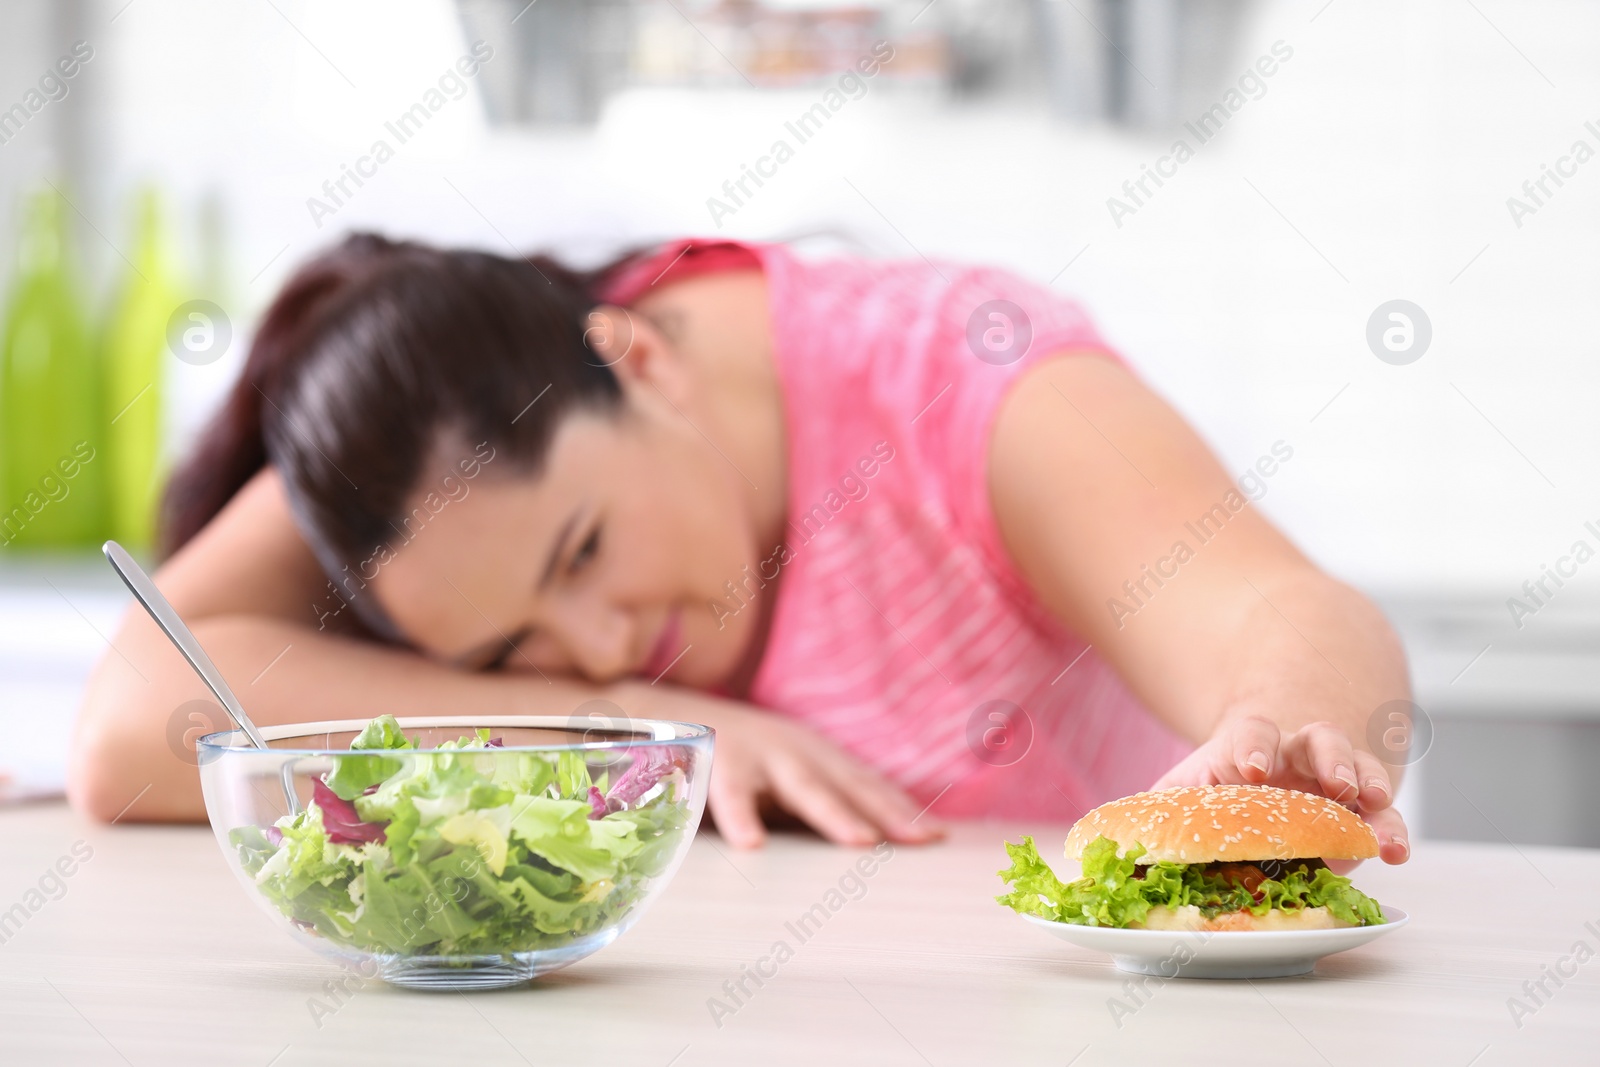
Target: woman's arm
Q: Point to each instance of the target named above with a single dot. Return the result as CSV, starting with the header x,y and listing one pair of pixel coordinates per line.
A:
x,y
255,596
1238,641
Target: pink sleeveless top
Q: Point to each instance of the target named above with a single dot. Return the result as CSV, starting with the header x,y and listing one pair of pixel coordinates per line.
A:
x,y
902,630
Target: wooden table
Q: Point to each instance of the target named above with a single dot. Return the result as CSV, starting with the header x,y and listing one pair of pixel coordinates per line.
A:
x,y
149,953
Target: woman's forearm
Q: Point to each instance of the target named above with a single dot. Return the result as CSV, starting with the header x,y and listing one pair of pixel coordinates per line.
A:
x,y
1311,649
1306,672
133,756
134,742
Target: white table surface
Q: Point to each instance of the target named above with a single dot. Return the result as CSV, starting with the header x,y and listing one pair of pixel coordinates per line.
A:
x,y
153,955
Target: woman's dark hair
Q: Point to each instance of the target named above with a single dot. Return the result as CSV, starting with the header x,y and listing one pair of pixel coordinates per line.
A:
x,y
375,354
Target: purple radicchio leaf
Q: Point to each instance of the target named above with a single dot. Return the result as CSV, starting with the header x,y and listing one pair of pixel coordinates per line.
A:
x,y
340,820
650,764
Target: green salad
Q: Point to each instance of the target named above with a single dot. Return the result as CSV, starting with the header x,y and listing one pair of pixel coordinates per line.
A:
x,y
1117,891
465,849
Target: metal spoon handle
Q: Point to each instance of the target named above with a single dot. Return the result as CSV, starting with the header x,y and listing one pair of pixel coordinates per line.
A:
x,y
161,610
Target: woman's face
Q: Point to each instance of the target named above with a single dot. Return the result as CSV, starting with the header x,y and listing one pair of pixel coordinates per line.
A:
x,y
606,564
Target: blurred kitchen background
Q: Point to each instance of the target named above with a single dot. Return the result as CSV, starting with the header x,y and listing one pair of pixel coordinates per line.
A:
x,y
152,200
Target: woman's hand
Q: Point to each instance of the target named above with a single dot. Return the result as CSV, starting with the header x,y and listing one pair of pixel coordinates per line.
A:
x,y
1316,758
765,760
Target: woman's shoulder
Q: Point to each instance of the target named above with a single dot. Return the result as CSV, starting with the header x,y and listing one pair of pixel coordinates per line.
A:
x,y
915,359
903,336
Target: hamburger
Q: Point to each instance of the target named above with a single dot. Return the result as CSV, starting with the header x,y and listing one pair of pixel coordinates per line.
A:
x,y
1203,857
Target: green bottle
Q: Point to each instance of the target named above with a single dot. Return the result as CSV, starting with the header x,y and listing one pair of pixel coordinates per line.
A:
x,y
132,351
51,480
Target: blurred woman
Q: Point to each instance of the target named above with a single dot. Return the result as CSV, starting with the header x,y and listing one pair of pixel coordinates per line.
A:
x,y
910,536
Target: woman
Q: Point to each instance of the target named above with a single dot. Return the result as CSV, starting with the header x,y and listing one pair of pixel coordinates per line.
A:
x,y
909,536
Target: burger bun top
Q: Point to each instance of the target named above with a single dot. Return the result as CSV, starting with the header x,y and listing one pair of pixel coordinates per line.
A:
x,y
1219,823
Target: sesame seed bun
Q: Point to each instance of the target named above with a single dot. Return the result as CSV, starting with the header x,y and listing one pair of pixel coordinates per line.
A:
x,y
1212,823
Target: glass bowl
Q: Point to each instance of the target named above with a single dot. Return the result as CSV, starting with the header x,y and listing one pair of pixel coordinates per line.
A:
x,y
495,850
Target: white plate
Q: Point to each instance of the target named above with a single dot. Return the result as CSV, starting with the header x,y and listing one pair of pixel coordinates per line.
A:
x,y
1225,954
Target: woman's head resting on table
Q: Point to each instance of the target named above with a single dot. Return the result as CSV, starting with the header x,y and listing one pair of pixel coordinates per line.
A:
x,y
491,465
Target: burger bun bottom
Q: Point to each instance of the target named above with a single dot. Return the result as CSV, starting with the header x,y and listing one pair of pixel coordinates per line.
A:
x,y
1188,917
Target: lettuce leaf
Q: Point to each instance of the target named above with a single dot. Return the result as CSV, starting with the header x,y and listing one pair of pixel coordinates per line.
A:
x,y
1345,901
1109,894
354,775
383,732
1106,895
